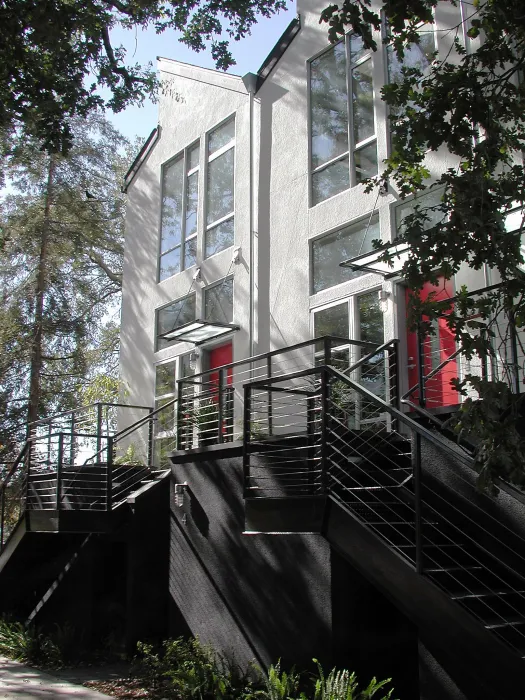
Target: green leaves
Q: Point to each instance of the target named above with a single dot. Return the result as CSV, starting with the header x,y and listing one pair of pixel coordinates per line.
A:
x,y
56,56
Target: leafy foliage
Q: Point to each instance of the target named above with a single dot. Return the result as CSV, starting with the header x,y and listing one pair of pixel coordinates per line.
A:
x,y
188,669
469,103
27,644
54,57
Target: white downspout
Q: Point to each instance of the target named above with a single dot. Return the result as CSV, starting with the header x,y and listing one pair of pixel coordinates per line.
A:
x,y
250,83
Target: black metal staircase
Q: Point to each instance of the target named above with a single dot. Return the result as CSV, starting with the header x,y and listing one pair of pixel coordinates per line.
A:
x,y
386,486
76,476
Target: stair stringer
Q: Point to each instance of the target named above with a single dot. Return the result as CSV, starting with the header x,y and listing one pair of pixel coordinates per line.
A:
x,y
477,661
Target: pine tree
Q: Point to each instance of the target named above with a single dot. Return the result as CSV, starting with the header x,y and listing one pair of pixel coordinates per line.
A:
x,y
61,242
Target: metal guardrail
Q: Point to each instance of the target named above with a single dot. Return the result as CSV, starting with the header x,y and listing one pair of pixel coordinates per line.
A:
x,y
53,469
342,438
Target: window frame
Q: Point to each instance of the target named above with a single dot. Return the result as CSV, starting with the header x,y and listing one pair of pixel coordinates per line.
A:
x,y
353,147
209,158
183,155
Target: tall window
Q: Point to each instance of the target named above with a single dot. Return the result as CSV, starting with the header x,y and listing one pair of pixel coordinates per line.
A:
x,y
172,316
343,138
220,189
180,194
330,250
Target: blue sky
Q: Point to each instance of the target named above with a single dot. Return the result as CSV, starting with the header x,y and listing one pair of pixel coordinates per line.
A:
x,y
144,45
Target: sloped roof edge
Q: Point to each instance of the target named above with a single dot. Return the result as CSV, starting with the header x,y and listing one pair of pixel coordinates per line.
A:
x,y
141,156
278,50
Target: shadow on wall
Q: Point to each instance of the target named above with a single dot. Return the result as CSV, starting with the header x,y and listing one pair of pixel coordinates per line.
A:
x,y
255,598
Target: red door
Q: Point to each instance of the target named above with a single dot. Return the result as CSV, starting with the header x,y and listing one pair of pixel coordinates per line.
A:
x,y
436,349
218,357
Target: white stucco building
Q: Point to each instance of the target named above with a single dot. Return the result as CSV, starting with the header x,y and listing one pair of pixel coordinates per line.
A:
x,y
247,197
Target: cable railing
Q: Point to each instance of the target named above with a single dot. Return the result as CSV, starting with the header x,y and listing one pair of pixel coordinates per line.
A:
x,y
210,403
71,462
342,437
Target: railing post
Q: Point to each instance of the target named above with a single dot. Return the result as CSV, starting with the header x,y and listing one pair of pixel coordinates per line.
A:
x,y
60,460
99,427
421,366
246,438
220,400
416,467
270,396
327,350
72,445
325,396
2,518
178,418
150,439
484,359
514,354
109,473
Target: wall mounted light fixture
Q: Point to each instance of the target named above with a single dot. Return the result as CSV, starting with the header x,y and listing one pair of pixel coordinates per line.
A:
x,y
180,490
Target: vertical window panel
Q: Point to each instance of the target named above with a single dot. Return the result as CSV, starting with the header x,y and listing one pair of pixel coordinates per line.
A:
x,y
363,101
220,187
171,228
329,105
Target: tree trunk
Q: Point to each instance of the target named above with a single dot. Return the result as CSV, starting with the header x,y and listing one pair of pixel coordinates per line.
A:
x,y
40,290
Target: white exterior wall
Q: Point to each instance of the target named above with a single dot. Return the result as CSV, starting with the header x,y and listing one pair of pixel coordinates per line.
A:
x,y
193,101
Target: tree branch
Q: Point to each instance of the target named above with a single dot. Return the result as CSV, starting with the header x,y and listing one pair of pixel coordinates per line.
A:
x,y
115,277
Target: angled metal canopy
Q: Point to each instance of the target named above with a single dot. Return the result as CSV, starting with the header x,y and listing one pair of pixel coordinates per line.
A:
x,y
369,262
199,331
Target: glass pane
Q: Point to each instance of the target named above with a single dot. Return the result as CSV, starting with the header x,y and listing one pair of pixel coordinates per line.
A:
x,y
219,237
331,180
220,187
329,104
221,136
329,251
193,157
370,318
163,448
173,316
165,418
363,101
169,264
165,379
426,205
192,200
332,321
218,302
357,49
418,56
366,162
184,366
172,189
190,252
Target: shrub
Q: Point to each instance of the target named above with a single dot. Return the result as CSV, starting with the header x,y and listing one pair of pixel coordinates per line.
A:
x,y
28,644
189,669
